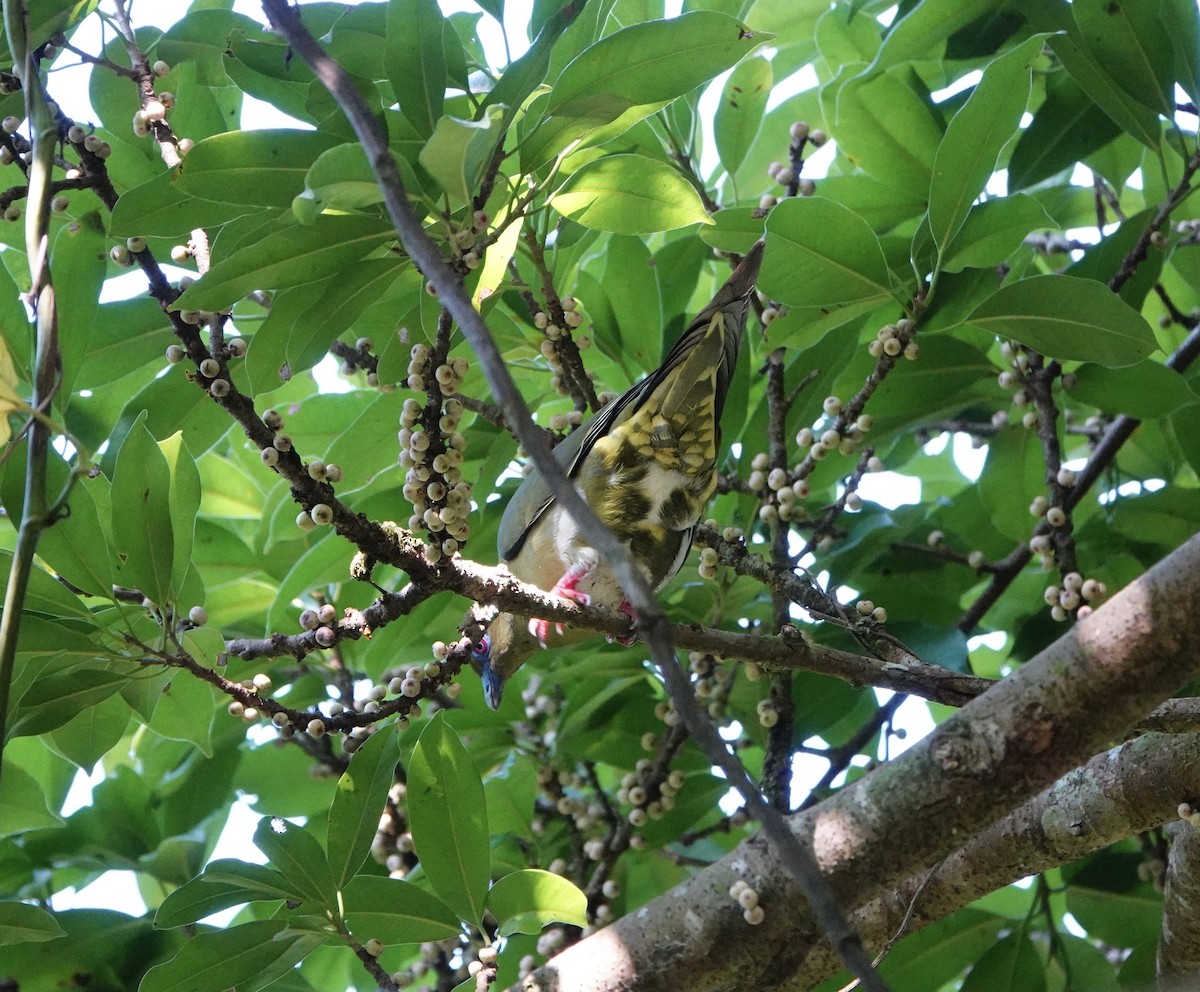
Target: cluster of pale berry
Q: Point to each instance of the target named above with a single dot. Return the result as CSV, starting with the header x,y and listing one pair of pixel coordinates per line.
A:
x,y
16,146
784,173
895,340
746,897
466,240
838,434
554,333
210,368
1055,515
565,792
649,795
155,109
435,958
1075,594
259,685
434,483
711,683
393,843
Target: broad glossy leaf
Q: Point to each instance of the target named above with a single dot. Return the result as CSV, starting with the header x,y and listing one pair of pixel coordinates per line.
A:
x,y
1144,390
1066,128
295,853
1128,41
1066,317
740,112
967,156
22,803
1129,113
396,912
938,953
143,534
993,230
158,208
184,503
1011,965
185,711
297,255
247,956
633,72
202,37
821,254
416,60
225,883
629,194
886,126
448,818
79,258
1182,21
529,900
87,737
354,815
922,32
53,700
459,152
22,923
253,168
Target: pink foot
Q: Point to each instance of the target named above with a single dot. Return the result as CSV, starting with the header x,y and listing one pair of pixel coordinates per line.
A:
x,y
564,587
625,639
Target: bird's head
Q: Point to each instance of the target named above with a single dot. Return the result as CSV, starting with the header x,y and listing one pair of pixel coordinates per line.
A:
x,y
500,652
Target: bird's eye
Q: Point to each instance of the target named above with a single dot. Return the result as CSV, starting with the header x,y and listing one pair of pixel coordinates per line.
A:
x,y
483,648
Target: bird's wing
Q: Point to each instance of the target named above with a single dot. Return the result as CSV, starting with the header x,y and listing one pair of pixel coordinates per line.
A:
x,y
533,497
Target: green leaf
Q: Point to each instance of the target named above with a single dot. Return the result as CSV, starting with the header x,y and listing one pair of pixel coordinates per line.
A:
x,y
247,957
524,75
79,258
294,256
1144,390
632,73
1128,41
967,156
448,818
527,901
938,953
253,168
819,253
295,853
459,152
740,112
416,60
1182,20
22,803
184,503
21,923
1011,965
201,38
629,194
396,912
225,883
923,30
1130,114
185,712
55,699
1066,317
342,179
994,230
89,735
143,536
354,814
886,126
158,208
1066,128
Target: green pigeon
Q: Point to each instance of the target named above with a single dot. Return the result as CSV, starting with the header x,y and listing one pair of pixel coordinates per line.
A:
x,y
646,464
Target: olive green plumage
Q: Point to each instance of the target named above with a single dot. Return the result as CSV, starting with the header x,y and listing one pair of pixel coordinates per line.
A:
x,y
646,464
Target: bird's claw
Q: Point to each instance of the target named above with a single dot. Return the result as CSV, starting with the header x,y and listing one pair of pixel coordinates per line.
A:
x,y
624,639
541,628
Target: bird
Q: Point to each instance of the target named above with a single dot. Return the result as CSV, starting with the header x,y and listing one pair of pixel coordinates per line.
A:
x,y
645,463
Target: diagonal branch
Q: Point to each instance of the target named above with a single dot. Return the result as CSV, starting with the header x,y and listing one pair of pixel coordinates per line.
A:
x,y
286,20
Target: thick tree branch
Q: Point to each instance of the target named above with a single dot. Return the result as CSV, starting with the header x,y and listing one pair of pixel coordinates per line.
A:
x,y
1088,688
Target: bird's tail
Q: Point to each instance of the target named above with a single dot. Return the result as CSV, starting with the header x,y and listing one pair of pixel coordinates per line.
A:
x,y
711,342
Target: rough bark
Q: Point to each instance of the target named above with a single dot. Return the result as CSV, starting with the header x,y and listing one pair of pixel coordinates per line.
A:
x,y
1076,697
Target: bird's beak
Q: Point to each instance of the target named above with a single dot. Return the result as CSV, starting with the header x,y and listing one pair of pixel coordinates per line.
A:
x,y
493,686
